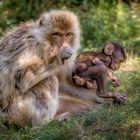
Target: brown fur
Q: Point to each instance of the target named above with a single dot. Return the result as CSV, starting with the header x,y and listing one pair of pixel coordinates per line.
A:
x,y
72,105
30,55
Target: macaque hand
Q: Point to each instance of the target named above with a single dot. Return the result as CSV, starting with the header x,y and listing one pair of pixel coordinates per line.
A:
x,y
90,85
116,82
78,80
119,98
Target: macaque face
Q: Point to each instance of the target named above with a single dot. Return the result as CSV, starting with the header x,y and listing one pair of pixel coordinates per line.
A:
x,y
64,43
62,34
117,59
115,53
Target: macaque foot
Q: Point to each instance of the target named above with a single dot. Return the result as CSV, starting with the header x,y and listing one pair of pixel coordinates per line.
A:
x,y
63,116
119,98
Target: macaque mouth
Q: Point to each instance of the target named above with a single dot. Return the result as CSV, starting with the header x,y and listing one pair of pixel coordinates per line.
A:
x,y
66,54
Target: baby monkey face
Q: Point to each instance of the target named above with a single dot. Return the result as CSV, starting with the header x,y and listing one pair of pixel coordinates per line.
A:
x,y
116,60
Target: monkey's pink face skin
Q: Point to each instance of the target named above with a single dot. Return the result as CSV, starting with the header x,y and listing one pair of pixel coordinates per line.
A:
x,y
62,39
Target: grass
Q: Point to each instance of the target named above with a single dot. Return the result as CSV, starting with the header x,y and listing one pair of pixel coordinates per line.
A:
x,y
108,123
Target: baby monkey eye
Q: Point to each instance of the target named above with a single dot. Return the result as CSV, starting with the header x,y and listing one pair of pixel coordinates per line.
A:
x,y
69,34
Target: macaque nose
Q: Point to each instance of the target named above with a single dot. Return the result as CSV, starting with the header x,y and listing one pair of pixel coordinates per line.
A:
x,y
67,52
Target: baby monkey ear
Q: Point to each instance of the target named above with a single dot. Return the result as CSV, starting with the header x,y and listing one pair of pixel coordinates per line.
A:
x,y
108,48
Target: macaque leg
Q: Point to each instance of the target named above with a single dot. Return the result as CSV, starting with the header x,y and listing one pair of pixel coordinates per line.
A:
x,y
69,106
99,73
101,90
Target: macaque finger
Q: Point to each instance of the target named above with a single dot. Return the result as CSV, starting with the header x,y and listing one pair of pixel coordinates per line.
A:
x,y
120,98
89,85
78,80
116,82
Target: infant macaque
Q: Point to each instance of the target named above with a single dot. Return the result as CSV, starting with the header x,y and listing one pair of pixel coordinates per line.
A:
x,y
91,65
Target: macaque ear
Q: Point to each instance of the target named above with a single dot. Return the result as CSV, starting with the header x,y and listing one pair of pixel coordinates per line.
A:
x,y
42,21
109,48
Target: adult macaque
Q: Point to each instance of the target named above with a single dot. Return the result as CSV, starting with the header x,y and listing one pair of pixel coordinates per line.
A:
x,y
97,66
91,67
30,55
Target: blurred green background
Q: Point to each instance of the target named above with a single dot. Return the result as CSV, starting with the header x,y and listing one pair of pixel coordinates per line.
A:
x,y
101,20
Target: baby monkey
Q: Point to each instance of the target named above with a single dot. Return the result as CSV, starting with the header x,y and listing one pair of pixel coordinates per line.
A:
x,y
93,68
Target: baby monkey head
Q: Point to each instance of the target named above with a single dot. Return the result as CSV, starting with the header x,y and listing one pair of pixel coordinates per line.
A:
x,y
116,54
61,31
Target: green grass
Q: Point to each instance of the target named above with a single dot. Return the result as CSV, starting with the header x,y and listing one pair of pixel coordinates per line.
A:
x,y
108,123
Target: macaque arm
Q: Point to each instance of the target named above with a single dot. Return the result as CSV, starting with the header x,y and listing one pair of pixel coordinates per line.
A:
x,y
101,90
31,75
67,87
110,74
105,94
118,97
115,81
71,89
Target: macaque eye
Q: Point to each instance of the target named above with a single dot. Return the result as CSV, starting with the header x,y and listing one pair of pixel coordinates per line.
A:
x,y
69,34
56,34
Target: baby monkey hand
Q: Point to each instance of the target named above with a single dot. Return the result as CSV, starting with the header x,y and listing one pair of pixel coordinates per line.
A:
x,y
116,82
